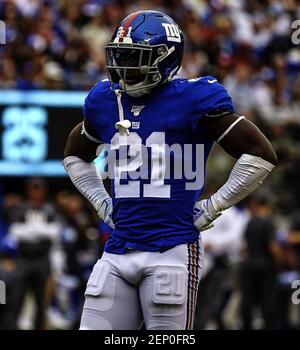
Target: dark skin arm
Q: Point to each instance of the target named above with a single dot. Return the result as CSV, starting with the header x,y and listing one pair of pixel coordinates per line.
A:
x,y
80,146
244,137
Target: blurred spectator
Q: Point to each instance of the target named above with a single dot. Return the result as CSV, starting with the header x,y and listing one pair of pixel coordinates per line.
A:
x,y
7,268
7,254
223,244
33,225
293,240
290,271
258,275
80,246
240,88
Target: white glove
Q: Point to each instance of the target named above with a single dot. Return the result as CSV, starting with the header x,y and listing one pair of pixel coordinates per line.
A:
x,y
105,212
204,214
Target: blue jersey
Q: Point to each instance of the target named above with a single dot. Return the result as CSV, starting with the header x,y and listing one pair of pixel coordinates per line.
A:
x,y
165,155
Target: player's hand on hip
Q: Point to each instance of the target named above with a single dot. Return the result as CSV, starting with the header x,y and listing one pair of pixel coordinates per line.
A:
x,y
204,214
105,212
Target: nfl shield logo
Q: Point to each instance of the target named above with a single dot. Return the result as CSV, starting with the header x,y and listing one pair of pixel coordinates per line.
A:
x,y
136,110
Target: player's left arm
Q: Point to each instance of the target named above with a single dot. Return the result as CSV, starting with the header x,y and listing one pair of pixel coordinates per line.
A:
x,y
238,136
255,156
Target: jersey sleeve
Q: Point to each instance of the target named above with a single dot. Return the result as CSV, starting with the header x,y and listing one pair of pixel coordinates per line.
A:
x,y
92,114
212,99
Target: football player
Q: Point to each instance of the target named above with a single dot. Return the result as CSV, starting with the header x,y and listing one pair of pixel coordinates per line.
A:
x,y
152,262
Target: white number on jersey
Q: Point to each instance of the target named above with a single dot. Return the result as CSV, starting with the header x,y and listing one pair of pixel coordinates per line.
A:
x,y
156,188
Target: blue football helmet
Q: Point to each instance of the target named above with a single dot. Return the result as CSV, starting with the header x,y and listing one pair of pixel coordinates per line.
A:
x,y
145,51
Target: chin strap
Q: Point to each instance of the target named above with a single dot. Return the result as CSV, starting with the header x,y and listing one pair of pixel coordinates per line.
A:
x,y
123,124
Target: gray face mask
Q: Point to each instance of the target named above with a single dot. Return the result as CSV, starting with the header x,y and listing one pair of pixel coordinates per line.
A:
x,y
126,69
136,90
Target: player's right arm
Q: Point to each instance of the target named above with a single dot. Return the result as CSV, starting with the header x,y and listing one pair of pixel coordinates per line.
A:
x,y
80,151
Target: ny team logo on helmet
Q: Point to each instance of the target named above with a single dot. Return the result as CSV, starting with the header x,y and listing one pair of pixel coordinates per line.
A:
x,y
145,51
172,32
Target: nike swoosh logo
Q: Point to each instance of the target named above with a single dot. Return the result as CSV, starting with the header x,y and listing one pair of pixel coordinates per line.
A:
x,y
211,81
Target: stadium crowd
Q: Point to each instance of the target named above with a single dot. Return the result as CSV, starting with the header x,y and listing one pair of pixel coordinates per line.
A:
x,y
248,46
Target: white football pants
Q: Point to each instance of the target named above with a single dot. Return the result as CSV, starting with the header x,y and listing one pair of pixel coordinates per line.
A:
x,y
159,289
